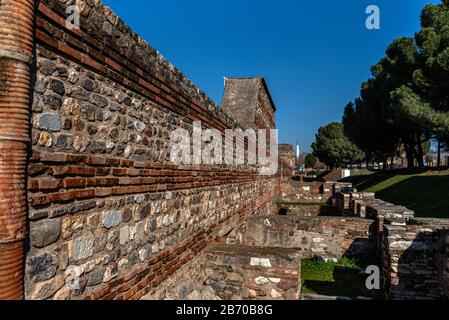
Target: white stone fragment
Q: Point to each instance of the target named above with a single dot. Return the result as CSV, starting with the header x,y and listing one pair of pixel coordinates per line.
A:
x,y
261,280
255,261
124,235
267,222
260,262
265,263
275,294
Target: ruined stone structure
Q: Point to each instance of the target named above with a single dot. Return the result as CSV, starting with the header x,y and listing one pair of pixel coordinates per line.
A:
x,y
249,101
413,251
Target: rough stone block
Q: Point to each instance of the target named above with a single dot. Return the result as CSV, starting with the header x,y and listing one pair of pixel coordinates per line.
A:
x,y
44,232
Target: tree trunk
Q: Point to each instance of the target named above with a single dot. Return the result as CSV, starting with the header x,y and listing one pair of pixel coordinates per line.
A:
x,y
420,152
409,154
439,154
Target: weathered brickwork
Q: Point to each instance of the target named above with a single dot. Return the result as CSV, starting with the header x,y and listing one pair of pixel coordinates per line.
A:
x,y
286,168
249,102
110,216
235,272
443,261
241,272
413,251
329,237
301,209
415,260
299,190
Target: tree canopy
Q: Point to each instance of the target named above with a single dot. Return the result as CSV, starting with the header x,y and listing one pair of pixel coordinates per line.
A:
x,y
310,161
406,102
333,147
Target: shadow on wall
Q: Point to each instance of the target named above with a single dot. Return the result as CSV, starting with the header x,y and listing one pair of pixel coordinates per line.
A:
x,y
417,276
304,208
426,195
326,210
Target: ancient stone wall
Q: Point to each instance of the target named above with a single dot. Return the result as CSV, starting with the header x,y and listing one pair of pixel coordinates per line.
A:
x,y
443,261
110,216
415,260
235,272
186,283
248,100
329,237
241,272
413,251
301,210
299,189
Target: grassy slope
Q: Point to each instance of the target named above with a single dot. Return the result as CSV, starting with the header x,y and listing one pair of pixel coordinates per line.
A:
x,y
335,279
425,192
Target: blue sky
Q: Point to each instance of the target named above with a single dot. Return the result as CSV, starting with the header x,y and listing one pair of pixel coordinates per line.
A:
x,y
313,54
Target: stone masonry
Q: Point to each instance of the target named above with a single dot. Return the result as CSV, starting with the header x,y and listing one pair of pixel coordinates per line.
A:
x,y
411,253
105,213
110,216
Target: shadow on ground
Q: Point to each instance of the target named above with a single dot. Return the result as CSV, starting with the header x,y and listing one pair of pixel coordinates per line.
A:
x,y
345,278
421,190
426,195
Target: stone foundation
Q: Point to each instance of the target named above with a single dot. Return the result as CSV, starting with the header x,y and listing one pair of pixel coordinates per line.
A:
x,y
234,272
415,260
329,237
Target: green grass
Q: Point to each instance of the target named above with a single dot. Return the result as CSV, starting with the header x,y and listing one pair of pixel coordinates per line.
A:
x,y
312,173
423,191
343,278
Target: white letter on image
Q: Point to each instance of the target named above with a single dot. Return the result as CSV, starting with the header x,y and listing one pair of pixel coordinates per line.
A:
x,y
373,20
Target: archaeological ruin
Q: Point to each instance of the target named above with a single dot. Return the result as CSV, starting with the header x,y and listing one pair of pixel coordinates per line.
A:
x,y
91,207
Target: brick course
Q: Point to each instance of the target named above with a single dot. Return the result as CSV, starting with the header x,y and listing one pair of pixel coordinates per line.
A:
x,y
116,212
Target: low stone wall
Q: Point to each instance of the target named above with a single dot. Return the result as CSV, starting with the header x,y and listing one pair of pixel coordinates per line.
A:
x,y
329,237
390,213
413,260
302,198
234,272
341,202
358,202
242,272
413,251
187,283
309,210
300,189
443,261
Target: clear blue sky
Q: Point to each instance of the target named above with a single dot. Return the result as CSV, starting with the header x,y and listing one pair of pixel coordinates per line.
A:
x,y
313,54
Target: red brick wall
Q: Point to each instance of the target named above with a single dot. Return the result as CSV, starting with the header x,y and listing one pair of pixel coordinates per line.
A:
x,y
107,208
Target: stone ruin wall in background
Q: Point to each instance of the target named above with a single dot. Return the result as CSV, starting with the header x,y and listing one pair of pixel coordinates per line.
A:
x,y
416,260
105,204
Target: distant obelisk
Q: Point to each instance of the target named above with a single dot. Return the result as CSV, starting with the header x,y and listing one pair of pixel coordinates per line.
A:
x,y
297,152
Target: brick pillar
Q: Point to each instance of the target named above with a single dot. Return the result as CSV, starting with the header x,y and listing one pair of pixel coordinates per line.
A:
x,y
16,52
